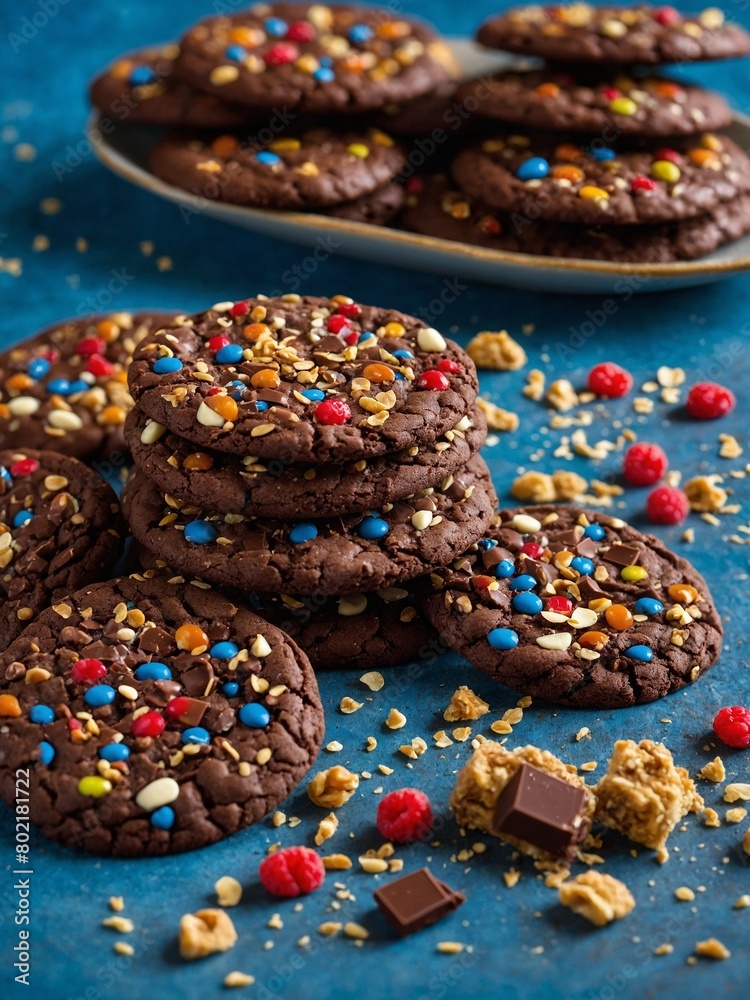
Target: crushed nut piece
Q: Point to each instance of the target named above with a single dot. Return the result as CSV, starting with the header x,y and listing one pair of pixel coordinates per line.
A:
x,y
562,395
712,948
396,719
228,891
326,829
597,897
332,788
206,932
237,978
704,495
714,770
465,705
497,418
498,351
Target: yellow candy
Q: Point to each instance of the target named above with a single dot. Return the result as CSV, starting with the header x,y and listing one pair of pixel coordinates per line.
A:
x,y
632,574
665,170
623,106
592,193
94,786
284,145
359,149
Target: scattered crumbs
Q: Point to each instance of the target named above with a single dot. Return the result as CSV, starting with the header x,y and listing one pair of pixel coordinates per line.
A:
x,y
465,704
396,719
742,902
164,263
713,771
348,705
82,244
511,877
116,903
712,818
146,247
462,733
334,746
685,894
449,947
356,931
729,446
584,733
238,979
737,790
275,922
24,152
50,206
373,680
664,949
735,815
120,924
123,948
228,891
329,928
12,266
712,948
40,243
590,765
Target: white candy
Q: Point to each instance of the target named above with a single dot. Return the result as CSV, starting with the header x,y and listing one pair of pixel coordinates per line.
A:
x,y
152,432
23,406
351,606
64,420
159,793
430,340
260,647
209,417
526,524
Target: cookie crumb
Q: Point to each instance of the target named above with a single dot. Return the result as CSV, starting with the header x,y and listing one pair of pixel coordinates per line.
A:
x,y
712,948
396,719
737,790
373,680
205,932
238,979
714,770
684,894
123,948
497,351
116,903
333,787
496,417
228,891
449,947
465,704
664,949
598,897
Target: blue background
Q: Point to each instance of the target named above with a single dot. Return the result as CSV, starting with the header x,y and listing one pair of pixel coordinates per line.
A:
x,y
42,100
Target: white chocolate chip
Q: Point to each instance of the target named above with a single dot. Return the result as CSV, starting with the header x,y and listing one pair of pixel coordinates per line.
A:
x,y
158,793
64,420
260,647
430,340
559,640
526,524
23,406
209,417
152,432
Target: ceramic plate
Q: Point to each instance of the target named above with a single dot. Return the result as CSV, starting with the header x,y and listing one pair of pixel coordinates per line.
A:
x,y
125,153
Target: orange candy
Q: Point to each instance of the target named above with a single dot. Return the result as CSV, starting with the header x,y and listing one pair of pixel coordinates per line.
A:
x,y
225,406
352,64
705,158
249,37
378,373
112,415
9,707
393,29
547,90
593,640
618,617
19,382
568,172
224,145
683,593
107,330
667,89
267,378
190,637
198,461
255,330
567,151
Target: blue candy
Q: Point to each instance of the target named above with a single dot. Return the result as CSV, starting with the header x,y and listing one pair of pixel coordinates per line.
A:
x,y
114,751
315,395
58,387
503,638
239,389
153,671
527,603
485,544
533,169
270,159
276,26
602,154
4,474
254,715
303,532
230,354
165,365
38,368
230,689
372,527
42,714
643,653
22,517
236,53
224,650
582,565
141,76
523,582
647,606
200,532
99,694
326,61
163,818
78,386
46,753
595,532
324,75
504,569
196,734
360,33
261,405
402,354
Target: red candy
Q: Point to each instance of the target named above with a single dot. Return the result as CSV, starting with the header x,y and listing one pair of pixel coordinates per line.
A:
x,y
533,550
24,467
404,816
446,365
415,185
609,379
640,183
433,379
352,338
611,93
92,345
732,726
668,154
561,604
667,15
148,724
292,871
332,412
349,309
667,505
216,343
239,309
708,400
52,355
644,464
337,323
99,366
177,707
74,724
282,53
87,671
300,31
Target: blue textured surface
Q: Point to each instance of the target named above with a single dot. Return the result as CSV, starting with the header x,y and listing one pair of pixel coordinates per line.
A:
x,y
704,331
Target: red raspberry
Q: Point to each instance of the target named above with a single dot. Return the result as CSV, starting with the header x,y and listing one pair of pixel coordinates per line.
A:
x,y
644,464
404,815
667,505
292,871
337,323
643,184
708,400
332,411
608,379
99,366
732,726
216,343
87,671
148,724
433,379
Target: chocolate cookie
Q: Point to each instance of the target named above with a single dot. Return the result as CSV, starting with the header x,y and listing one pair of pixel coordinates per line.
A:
x,y
370,631
153,718
564,182
141,87
580,32
625,105
318,168
435,208
219,482
376,209
304,379
579,608
64,389
60,527
313,58
345,555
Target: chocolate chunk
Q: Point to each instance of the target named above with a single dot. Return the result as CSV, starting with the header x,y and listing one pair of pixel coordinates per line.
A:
x,y
416,901
586,547
156,640
194,712
542,810
589,589
622,555
568,539
197,682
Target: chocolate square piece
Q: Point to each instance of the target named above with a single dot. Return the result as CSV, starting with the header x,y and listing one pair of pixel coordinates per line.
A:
x,y
622,555
415,901
542,810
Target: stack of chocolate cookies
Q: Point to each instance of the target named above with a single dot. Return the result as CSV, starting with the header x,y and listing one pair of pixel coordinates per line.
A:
x,y
617,163
313,456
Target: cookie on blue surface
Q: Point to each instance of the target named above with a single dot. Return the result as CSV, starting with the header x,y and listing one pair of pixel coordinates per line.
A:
x,y
314,58
641,34
579,608
154,717
357,553
60,528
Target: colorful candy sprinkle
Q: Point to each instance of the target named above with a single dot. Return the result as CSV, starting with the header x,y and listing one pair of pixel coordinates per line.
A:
x,y
200,532
372,528
303,532
163,366
503,638
100,695
153,671
254,715
42,715
94,786
642,653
